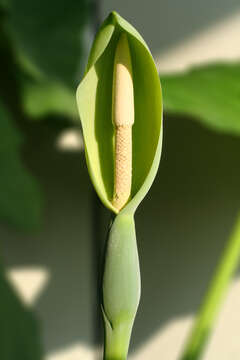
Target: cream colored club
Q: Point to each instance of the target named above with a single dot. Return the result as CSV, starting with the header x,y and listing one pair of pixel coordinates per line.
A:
x,y
123,119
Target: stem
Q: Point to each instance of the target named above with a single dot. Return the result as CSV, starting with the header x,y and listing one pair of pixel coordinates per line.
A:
x,y
117,341
212,301
96,219
96,251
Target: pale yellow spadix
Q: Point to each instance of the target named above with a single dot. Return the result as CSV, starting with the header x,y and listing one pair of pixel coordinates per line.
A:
x,y
123,119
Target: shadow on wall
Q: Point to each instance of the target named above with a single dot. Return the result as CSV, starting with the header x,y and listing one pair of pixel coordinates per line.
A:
x,y
184,224
181,227
63,247
19,331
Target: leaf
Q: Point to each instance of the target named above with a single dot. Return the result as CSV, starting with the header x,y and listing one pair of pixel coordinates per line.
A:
x,y
94,98
20,199
41,98
49,34
19,332
210,93
45,39
10,137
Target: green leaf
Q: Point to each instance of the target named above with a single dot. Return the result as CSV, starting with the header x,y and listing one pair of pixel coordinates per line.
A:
x,y
94,97
41,98
47,40
209,93
20,199
19,332
49,34
10,137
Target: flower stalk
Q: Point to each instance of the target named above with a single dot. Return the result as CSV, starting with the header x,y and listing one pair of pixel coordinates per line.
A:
x,y
120,107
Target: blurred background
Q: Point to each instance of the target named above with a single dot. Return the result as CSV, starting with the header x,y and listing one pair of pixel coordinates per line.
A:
x,y
52,226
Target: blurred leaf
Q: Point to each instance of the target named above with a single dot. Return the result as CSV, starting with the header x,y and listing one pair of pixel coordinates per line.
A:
x,y
20,200
10,137
19,333
44,98
209,93
4,3
49,34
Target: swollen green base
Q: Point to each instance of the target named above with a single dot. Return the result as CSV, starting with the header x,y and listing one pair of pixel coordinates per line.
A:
x,y
121,287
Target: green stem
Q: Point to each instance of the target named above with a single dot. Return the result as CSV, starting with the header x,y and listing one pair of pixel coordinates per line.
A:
x,y
117,341
211,303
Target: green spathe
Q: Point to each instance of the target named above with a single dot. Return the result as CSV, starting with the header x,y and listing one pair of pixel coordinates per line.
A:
x,y
94,98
